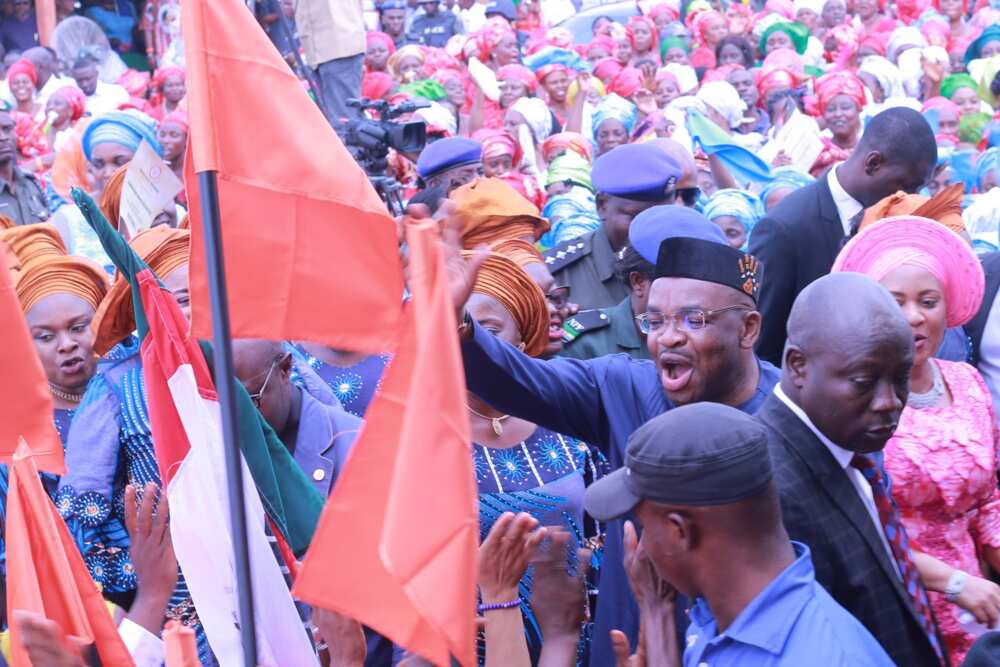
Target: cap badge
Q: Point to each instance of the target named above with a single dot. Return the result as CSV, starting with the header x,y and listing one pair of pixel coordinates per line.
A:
x,y
748,274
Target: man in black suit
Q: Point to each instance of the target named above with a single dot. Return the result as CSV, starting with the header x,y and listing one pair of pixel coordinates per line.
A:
x,y
984,329
801,236
843,386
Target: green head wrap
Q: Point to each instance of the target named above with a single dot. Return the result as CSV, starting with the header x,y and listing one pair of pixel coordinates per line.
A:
x,y
971,126
953,82
429,89
672,43
798,33
569,167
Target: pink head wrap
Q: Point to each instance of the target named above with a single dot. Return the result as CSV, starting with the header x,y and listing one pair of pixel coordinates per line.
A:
x,y
876,43
498,142
663,9
937,33
768,80
603,42
940,103
607,69
719,73
626,82
560,37
518,73
701,22
667,75
178,117
23,66
162,74
491,34
376,37
567,141
375,85
545,70
652,29
783,7
914,241
839,83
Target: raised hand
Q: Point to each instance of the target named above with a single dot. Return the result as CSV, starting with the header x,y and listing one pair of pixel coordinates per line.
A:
x,y
504,556
152,552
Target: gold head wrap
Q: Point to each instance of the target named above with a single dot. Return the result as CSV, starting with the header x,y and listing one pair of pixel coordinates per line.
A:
x,y
519,251
502,279
945,207
46,275
27,242
165,249
490,211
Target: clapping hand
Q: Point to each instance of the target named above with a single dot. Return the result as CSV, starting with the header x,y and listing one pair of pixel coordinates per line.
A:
x,y
152,553
558,598
504,556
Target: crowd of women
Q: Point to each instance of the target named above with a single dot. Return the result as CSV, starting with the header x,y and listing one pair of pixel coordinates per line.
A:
x,y
743,105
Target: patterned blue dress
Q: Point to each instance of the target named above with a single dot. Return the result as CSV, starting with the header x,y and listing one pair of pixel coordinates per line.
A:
x,y
354,386
545,476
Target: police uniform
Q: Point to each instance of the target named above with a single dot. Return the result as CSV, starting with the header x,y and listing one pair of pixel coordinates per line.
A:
x,y
448,153
25,203
435,30
602,401
595,333
639,172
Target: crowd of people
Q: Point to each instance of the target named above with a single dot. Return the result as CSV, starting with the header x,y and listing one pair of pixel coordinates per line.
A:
x,y
725,278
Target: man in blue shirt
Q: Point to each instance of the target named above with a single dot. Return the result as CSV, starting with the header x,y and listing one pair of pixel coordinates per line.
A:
x,y
701,327
698,479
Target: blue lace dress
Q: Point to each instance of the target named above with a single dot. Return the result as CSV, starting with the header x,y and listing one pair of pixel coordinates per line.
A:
x,y
545,476
354,386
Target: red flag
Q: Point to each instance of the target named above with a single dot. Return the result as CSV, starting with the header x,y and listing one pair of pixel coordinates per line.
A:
x,y
25,399
310,250
46,573
396,545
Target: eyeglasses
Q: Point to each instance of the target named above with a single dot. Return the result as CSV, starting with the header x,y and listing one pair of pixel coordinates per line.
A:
x,y
689,319
255,398
689,195
559,296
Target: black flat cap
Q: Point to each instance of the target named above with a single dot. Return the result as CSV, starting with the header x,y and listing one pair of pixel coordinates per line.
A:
x,y
713,262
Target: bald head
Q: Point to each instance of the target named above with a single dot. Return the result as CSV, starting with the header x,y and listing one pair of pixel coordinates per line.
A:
x,y
43,61
264,368
253,357
848,360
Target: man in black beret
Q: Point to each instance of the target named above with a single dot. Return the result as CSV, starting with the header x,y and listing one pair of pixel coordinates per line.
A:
x,y
698,480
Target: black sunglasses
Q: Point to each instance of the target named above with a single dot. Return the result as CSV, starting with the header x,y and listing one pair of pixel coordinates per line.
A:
x,y
689,195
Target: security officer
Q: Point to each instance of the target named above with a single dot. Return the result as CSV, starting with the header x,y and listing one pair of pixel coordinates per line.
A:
x,y
434,27
450,163
628,180
595,333
21,196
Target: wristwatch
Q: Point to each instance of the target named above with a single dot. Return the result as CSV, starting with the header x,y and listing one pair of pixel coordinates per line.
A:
x,y
956,584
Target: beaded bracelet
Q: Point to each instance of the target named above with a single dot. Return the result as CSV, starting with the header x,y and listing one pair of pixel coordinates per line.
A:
x,y
510,604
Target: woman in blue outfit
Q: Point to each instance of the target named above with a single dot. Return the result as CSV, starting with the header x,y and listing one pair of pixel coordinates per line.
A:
x,y
354,378
59,295
522,467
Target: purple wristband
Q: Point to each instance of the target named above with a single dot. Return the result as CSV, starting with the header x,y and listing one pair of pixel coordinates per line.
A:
x,y
510,604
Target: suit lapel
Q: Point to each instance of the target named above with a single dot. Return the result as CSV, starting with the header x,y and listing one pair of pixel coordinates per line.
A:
x,y
833,480
833,229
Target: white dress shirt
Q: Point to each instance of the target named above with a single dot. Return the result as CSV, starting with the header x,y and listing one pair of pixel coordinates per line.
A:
x,y
107,97
989,354
847,206
145,647
843,458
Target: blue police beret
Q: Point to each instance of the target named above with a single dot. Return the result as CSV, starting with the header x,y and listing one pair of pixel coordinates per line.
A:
x,y
657,224
504,8
641,172
391,4
448,153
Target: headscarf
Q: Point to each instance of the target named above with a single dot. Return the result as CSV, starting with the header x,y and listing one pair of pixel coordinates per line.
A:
x,y
665,9
26,243
23,66
902,38
954,82
76,100
60,274
502,279
567,141
602,42
574,88
702,21
165,250
839,83
668,43
989,34
408,51
910,240
377,37
655,34
571,215
773,79
798,33
627,82
427,89
569,167
538,116
607,69
518,251
945,207
876,43
492,34
743,206
784,8
613,106
971,126
125,128
491,210
722,96
885,73
376,85
988,162
111,198
163,73
499,142
937,33
785,177
519,73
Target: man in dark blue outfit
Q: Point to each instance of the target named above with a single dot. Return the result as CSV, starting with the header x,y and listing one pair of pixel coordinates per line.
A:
x,y
701,327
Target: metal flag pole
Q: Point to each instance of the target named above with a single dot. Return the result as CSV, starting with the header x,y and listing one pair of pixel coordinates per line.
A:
x,y
224,378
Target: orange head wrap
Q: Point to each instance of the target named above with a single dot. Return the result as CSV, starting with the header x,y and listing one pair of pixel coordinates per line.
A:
x,y
28,242
502,279
60,274
945,207
491,210
518,251
111,200
165,249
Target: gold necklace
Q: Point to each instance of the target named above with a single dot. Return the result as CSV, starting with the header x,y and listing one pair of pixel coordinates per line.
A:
x,y
65,395
495,422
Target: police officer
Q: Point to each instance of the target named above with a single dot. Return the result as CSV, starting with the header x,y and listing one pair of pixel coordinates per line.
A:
x,y
628,180
21,196
434,27
594,333
450,163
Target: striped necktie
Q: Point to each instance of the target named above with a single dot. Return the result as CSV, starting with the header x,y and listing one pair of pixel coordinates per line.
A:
x,y
895,535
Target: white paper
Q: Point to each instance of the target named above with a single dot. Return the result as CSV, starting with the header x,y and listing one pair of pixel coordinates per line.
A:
x,y
149,189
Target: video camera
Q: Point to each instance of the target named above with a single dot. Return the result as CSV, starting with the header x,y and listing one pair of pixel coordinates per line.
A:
x,y
369,142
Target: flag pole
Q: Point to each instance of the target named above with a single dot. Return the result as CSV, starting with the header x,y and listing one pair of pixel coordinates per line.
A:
x,y
224,377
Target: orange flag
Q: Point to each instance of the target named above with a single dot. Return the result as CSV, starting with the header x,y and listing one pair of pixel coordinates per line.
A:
x,y
179,646
25,399
396,544
46,573
310,250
